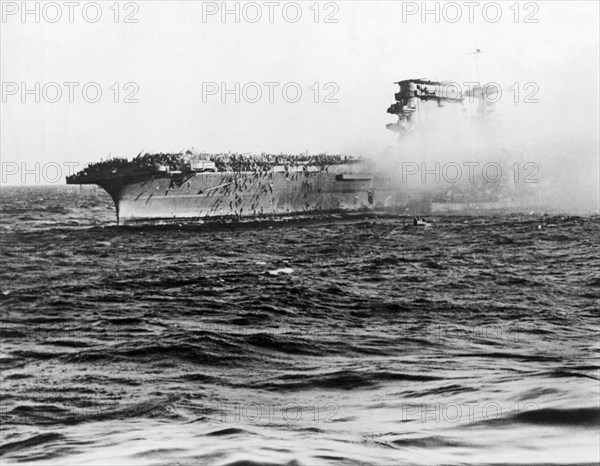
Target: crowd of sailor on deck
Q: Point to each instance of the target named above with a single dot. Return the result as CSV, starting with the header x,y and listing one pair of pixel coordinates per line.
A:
x,y
226,162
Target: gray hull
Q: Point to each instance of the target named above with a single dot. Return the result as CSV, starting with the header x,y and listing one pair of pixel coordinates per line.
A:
x,y
241,196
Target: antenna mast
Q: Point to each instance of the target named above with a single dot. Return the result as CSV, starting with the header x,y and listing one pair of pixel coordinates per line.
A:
x,y
476,53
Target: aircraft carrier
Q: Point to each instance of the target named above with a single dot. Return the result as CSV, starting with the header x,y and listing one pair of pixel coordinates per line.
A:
x,y
196,187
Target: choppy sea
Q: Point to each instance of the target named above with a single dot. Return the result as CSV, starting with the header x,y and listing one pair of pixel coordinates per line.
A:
x,y
339,341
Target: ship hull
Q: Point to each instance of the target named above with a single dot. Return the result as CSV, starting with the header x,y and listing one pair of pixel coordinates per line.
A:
x,y
478,207
237,196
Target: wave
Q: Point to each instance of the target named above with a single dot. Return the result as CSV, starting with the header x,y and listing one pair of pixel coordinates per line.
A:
x,y
585,418
36,440
261,463
339,380
576,417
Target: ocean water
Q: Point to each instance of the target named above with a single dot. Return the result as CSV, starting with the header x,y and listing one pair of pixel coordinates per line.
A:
x,y
341,341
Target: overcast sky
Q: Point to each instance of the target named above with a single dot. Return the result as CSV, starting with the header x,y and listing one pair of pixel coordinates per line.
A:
x,y
170,52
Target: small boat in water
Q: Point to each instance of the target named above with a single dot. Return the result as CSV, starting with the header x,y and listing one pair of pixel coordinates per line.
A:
x,y
420,222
